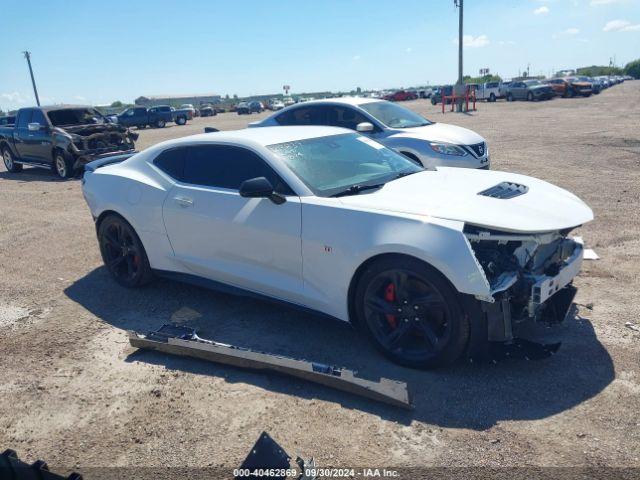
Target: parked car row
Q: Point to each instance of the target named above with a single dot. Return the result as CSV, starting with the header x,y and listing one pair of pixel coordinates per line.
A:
x,y
531,89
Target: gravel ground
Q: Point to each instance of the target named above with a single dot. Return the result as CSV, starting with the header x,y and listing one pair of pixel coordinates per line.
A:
x,y
74,393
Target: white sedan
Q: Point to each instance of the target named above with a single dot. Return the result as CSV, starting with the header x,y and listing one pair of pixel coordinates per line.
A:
x,y
428,263
425,142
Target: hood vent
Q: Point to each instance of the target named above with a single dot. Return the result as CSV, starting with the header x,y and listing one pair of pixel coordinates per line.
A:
x,y
505,190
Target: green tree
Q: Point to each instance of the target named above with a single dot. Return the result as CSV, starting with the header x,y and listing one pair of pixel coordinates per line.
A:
x,y
117,104
483,79
597,70
633,68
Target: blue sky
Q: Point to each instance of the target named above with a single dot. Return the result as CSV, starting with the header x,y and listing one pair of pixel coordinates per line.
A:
x,y
98,52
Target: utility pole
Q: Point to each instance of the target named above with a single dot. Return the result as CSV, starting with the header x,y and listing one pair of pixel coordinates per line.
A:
x,y
27,55
460,85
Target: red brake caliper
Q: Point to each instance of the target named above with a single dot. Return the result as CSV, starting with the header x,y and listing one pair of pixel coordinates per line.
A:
x,y
390,296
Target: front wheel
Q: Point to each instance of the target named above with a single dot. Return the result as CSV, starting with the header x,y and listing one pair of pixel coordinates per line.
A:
x,y
492,98
411,313
509,97
160,123
530,97
62,165
9,163
181,121
123,253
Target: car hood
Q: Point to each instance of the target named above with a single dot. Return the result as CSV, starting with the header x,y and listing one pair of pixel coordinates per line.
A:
x,y
453,194
441,132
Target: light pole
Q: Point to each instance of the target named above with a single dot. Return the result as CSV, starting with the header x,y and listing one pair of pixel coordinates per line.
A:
x,y
27,55
460,85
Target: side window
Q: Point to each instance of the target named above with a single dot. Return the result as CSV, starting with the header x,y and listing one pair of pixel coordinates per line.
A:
x,y
38,117
24,117
172,162
225,166
344,117
303,116
153,110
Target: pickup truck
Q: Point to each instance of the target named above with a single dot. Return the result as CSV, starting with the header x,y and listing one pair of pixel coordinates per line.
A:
x,y
489,91
158,116
62,138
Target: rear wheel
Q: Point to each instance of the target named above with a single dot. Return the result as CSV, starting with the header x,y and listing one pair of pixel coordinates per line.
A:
x,y
123,253
411,313
9,163
160,123
62,164
530,97
492,98
509,97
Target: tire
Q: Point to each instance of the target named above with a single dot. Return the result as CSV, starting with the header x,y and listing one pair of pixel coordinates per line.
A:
x,y
509,97
530,97
433,101
492,97
160,123
9,162
181,121
571,93
122,252
62,164
411,313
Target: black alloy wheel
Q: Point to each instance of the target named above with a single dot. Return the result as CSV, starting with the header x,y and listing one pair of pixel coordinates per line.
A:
x,y
123,253
412,314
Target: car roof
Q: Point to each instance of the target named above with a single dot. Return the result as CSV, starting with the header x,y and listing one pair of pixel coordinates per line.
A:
x,y
260,136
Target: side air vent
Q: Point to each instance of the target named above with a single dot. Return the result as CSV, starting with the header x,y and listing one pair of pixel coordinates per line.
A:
x,y
505,190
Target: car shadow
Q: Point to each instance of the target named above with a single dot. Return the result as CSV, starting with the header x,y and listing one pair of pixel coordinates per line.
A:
x,y
466,395
34,174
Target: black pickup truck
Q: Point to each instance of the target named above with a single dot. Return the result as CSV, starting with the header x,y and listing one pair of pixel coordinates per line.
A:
x,y
157,116
62,138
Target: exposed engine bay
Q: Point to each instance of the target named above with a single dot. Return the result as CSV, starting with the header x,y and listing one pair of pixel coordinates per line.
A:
x,y
529,275
89,141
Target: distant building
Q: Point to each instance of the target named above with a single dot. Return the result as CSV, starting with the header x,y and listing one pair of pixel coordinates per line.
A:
x,y
177,100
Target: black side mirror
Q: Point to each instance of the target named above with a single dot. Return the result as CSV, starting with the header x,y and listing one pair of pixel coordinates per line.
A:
x,y
260,187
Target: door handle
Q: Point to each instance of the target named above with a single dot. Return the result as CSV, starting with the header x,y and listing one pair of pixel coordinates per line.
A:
x,y
184,201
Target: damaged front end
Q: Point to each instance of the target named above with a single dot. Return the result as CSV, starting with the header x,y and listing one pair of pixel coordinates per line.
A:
x,y
89,142
530,277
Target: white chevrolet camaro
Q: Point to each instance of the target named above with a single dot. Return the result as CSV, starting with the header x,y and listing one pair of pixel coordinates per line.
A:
x,y
428,263
425,142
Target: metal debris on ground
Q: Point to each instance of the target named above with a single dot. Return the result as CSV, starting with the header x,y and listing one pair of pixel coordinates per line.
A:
x,y
587,253
267,459
180,340
633,327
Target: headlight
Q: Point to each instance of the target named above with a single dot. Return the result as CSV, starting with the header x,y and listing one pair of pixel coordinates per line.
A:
x,y
448,149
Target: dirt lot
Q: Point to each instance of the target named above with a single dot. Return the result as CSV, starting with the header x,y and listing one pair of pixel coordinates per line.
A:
x,y
74,393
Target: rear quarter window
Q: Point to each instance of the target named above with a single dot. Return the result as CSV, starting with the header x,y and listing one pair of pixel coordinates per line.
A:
x,y
172,162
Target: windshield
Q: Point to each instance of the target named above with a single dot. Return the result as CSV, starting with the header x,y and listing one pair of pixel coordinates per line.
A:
x,y
75,116
394,116
329,165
